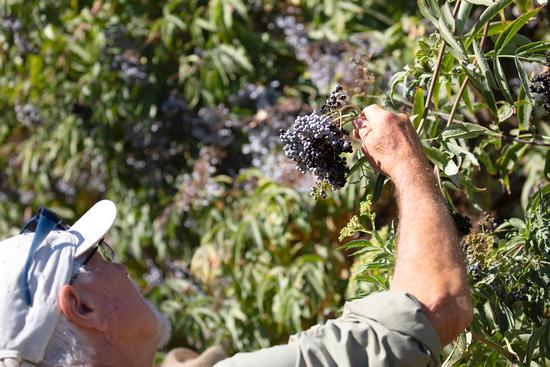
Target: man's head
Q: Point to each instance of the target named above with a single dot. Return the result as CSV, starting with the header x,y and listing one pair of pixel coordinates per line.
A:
x,y
62,302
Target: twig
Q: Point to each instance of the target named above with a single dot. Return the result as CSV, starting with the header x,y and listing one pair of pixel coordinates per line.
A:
x,y
466,79
510,355
499,134
438,62
523,141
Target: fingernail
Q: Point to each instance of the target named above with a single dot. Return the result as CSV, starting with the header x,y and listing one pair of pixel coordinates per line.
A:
x,y
357,123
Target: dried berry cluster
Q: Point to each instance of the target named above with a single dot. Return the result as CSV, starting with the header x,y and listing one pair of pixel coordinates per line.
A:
x,y
541,85
315,142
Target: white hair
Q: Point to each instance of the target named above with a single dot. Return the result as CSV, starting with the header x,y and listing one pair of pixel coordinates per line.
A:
x,y
67,347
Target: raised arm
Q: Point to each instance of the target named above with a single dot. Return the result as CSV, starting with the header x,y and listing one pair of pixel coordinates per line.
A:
x,y
428,264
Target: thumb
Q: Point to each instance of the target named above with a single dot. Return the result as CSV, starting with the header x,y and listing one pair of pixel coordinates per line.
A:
x,y
360,128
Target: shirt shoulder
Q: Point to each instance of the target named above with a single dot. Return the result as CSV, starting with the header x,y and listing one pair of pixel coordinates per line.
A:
x,y
382,329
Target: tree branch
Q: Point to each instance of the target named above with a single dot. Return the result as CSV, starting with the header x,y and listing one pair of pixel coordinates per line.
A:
x,y
438,62
466,79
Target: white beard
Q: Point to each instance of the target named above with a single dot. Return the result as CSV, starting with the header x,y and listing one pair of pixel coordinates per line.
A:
x,y
163,326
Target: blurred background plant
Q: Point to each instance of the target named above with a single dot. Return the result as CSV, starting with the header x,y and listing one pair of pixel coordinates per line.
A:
x,y
173,110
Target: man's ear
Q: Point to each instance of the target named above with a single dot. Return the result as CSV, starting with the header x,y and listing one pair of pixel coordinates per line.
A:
x,y
80,309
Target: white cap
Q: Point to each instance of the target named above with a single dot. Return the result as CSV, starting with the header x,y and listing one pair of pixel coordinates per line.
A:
x,y
25,330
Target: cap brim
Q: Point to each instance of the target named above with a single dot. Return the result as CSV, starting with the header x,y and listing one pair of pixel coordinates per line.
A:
x,y
93,225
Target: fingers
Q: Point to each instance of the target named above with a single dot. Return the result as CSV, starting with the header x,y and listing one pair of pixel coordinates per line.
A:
x,y
376,115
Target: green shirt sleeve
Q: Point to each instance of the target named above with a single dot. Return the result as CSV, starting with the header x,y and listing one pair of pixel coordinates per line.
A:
x,y
382,329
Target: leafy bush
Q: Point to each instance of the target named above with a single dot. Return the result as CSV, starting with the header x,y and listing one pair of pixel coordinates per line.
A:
x,y
173,110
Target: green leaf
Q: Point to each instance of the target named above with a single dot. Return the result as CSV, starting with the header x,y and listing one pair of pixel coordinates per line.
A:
x,y
500,78
462,16
513,28
534,47
488,14
483,65
451,168
505,112
427,12
480,2
524,80
466,131
349,6
456,47
395,79
174,20
534,339
378,187
439,158
448,16
497,27
358,165
480,82
418,107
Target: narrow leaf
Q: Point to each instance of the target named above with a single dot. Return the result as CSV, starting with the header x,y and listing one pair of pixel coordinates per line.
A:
x,y
378,187
505,112
426,12
500,78
513,28
534,47
456,47
466,131
360,163
418,107
524,80
480,2
448,16
488,14
524,109
483,86
483,65
462,16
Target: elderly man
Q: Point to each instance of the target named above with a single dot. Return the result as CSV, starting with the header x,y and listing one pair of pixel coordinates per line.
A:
x,y
64,303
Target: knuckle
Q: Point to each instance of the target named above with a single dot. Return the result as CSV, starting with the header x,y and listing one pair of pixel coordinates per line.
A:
x,y
403,116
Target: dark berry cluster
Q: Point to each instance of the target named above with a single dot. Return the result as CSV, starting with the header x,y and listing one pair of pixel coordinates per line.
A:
x,y
328,61
315,143
540,84
462,222
336,100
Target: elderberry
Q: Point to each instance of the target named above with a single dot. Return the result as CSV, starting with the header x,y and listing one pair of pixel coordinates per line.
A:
x,y
315,143
541,85
336,100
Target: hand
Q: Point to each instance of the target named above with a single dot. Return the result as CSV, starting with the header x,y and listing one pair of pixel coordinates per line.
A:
x,y
389,141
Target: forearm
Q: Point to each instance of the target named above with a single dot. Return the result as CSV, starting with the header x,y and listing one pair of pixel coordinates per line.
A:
x,y
429,264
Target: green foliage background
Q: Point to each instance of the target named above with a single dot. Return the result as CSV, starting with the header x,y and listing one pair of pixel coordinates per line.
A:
x,y
136,101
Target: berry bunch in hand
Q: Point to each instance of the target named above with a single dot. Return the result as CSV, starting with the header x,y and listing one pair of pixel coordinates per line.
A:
x,y
316,141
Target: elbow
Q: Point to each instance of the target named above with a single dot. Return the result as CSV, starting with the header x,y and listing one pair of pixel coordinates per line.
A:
x,y
450,312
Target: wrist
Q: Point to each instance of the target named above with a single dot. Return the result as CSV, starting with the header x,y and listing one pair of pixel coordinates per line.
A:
x,y
414,175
